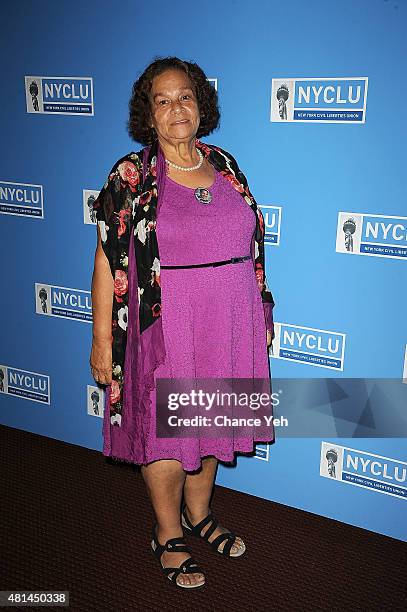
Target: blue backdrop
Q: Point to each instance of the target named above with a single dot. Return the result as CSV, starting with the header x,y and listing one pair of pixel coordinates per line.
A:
x,y
329,178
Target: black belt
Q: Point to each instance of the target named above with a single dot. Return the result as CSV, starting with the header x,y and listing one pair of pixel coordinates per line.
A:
x,y
213,263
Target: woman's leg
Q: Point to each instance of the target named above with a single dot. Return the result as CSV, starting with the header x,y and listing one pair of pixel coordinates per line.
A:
x,y
164,481
197,494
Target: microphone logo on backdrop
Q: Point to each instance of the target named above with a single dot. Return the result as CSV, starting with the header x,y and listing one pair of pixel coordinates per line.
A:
x,y
95,401
95,397
283,93
332,458
88,199
34,91
349,228
43,296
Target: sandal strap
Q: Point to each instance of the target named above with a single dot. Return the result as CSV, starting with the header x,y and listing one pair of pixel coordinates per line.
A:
x,y
184,514
189,566
230,536
211,529
196,529
177,544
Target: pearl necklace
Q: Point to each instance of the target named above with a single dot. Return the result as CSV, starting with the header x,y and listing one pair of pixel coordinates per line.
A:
x,y
198,165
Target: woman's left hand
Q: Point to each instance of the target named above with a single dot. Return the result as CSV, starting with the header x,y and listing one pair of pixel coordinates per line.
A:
x,y
269,338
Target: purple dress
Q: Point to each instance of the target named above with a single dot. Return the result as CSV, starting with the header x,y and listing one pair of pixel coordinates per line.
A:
x,y
213,319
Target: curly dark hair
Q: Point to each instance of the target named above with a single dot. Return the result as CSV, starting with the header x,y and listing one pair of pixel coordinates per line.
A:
x,y
138,125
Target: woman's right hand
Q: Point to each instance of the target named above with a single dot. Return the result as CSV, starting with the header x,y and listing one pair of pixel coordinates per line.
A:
x,y
101,361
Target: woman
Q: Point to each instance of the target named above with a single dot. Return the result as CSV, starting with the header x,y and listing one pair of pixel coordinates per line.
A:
x,y
176,203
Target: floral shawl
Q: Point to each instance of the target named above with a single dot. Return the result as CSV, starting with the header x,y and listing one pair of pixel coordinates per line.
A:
x,y
126,212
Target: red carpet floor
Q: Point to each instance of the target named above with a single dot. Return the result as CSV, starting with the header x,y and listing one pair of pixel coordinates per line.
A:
x,y
72,520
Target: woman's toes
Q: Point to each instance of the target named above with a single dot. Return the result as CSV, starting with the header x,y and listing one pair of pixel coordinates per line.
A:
x,y
237,545
199,578
182,579
190,579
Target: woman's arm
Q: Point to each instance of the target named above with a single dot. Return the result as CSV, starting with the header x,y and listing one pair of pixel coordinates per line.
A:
x,y
267,298
268,316
102,300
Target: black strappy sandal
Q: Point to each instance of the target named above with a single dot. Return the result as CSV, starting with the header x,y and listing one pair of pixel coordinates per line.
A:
x,y
195,530
189,566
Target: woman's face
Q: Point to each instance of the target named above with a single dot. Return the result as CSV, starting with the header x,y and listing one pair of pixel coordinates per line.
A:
x,y
174,107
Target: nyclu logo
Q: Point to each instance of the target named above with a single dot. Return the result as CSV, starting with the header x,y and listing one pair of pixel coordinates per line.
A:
x,y
23,383
89,197
262,452
59,95
22,199
272,223
53,301
319,100
95,401
316,347
363,469
375,235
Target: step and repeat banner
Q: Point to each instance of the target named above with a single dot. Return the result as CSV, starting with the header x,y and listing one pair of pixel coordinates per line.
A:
x,y
312,105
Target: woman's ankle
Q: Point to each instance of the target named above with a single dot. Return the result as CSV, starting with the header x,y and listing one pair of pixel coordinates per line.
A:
x,y
165,532
196,514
